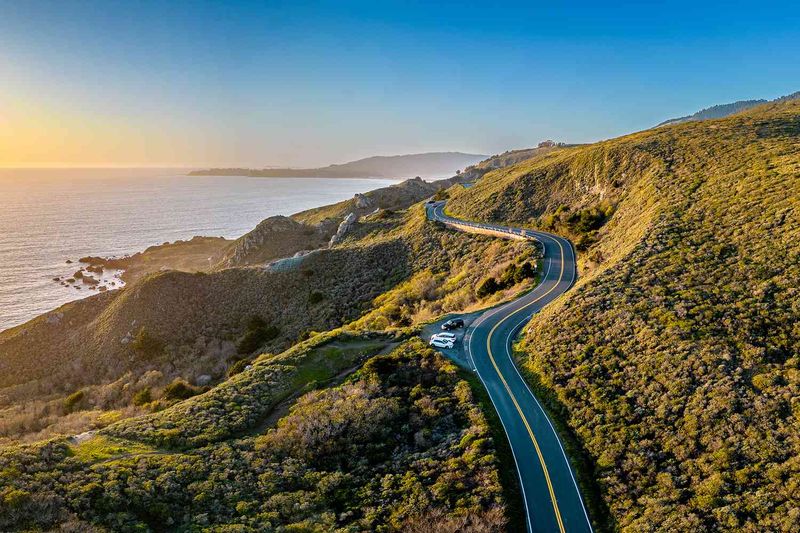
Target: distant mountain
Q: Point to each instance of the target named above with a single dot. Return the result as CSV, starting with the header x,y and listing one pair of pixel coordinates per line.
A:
x,y
433,164
724,110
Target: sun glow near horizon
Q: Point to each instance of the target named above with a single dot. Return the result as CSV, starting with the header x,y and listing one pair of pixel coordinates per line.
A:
x,y
276,84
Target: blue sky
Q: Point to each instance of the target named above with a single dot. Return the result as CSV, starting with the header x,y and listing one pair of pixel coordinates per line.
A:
x,y
308,83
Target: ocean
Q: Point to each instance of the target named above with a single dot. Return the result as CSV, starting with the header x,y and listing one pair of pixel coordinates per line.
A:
x,y
49,216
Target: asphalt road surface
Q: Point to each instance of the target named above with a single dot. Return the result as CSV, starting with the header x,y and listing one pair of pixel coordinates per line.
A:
x,y
552,499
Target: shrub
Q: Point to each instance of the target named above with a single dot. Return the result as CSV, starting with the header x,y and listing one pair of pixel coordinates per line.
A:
x,y
179,389
238,367
315,297
71,402
146,344
258,332
142,397
14,499
487,287
511,275
525,271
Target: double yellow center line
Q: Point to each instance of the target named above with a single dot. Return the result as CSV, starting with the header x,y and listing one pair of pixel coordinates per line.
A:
x,y
514,399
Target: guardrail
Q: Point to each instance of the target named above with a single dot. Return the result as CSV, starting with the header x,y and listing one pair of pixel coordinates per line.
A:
x,y
512,232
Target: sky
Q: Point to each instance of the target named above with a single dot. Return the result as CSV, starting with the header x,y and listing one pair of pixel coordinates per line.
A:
x,y
301,83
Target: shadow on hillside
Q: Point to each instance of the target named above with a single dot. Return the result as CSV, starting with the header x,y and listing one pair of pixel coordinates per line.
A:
x,y
783,128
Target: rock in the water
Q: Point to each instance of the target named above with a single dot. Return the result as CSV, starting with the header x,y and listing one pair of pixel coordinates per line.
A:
x,y
69,261
89,280
70,280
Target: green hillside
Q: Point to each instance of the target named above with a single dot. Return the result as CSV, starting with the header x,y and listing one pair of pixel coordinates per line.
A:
x,y
399,446
671,367
83,366
674,361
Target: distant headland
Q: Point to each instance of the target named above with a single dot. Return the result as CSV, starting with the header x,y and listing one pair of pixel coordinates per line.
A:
x,y
431,164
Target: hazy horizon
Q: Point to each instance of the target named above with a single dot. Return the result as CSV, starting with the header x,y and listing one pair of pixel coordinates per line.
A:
x,y
122,166
287,85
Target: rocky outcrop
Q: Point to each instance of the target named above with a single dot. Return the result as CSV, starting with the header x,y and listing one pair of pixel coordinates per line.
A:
x,y
362,201
273,238
344,227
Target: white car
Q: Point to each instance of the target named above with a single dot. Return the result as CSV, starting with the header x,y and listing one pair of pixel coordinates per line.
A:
x,y
448,337
442,343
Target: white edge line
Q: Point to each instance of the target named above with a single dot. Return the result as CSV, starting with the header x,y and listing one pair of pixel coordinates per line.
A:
x,y
552,428
508,439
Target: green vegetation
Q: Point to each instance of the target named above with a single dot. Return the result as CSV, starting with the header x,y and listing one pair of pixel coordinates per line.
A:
x,y
71,402
581,225
144,396
179,389
147,345
99,448
674,359
257,333
247,398
315,297
512,274
400,446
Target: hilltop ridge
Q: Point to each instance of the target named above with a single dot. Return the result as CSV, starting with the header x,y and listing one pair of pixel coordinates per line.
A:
x,y
724,110
673,361
670,368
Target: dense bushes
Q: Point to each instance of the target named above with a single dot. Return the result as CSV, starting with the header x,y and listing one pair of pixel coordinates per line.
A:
x,y
146,344
315,297
676,365
257,333
401,446
144,396
71,402
510,276
179,389
581,225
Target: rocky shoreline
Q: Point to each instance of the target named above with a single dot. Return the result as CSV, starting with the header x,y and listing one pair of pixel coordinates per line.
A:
x,y
99,275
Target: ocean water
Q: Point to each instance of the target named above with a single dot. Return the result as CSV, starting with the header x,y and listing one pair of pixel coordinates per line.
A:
x,y
48,216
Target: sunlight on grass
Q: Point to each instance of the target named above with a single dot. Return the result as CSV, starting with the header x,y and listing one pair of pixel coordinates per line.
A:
x,y
100,448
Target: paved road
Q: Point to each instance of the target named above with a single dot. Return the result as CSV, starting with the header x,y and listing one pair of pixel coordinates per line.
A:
x,y
552,498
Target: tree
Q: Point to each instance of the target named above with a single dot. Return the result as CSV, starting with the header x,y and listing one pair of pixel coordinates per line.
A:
x,y
487,287
145,344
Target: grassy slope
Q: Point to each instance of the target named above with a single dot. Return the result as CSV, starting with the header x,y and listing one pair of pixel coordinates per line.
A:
x,y
199,318
400,446
676,355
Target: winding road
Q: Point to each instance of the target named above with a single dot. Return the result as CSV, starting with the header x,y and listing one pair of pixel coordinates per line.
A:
x,y
552,499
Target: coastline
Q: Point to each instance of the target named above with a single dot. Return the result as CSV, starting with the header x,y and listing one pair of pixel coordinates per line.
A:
x,y
51,215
